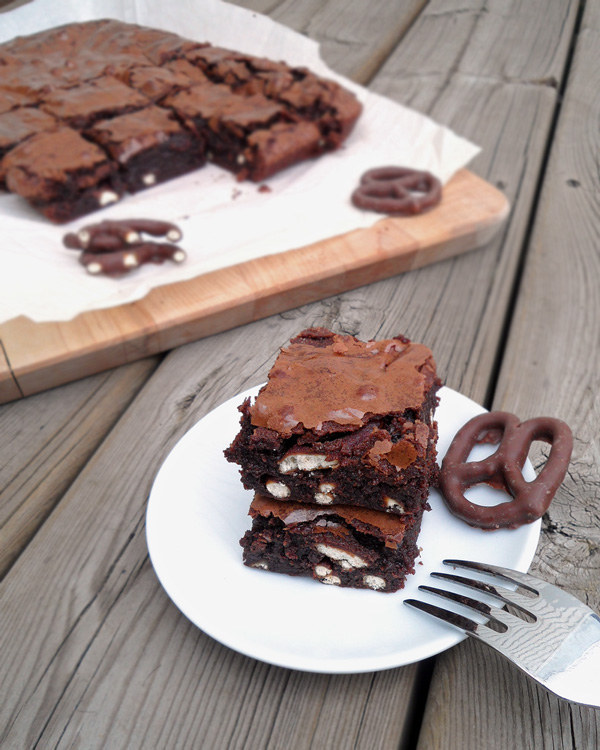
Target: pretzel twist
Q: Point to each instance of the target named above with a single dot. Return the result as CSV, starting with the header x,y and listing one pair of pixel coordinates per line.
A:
x,y
503,469
397,190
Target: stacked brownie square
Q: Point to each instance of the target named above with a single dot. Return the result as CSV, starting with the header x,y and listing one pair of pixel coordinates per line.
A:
x,y
91,111
340,449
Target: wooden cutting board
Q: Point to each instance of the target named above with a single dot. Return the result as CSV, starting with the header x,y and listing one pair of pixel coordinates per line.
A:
x,y
37,356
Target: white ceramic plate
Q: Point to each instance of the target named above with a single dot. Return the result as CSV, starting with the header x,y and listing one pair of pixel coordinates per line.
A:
x,y
197,512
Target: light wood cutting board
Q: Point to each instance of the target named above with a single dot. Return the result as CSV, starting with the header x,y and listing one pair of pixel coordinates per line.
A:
x,y
37,356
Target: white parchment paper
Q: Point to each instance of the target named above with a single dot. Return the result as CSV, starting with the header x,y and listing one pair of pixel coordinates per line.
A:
x,y
223,221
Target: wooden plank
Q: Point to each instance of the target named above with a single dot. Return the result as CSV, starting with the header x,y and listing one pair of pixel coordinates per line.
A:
x,y
345,31
511,120
46,440
43,355
9,389
176,682
352,42
550,367
113,565
96,536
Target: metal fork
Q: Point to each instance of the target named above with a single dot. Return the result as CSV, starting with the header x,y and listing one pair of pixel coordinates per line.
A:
x,y
549,634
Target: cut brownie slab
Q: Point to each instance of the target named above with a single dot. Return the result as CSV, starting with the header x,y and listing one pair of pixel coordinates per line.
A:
x,y
341,421
150,147
339,545
253,115
61,174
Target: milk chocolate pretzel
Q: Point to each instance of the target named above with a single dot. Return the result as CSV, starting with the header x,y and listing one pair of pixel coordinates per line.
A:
x,y
121,261
397,190
503,469
115,247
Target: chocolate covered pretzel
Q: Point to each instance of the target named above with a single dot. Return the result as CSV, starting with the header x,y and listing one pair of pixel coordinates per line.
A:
x,y
397,190
121,261
108,235
503,469
115,247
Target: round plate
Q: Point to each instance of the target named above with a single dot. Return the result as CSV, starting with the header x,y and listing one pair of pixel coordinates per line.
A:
x,y
198,511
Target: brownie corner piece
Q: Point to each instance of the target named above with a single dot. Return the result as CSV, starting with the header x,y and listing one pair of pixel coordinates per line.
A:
x,y
332,107
341,421
338,545
252,136
61,174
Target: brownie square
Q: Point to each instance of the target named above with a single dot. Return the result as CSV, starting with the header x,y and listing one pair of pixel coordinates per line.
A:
x,y
10,100
63,42
343,422
338,545
162,46
155,83
185,68
61,174
333,108
19,124
230,125
280,146
232,68
28,83
81,106
150,147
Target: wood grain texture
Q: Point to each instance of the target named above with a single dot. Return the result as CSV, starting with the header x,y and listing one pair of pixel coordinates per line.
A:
x,y
46,441
354,42
94,646
9,389
77,571
512,120
346,31
551,367
113,644
563,265
44,355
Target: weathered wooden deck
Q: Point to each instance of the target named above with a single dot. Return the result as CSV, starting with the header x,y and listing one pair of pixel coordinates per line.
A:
x,y
93,652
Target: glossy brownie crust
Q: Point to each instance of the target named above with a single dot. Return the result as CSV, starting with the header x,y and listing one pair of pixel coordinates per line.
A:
x,y
341,546
343,422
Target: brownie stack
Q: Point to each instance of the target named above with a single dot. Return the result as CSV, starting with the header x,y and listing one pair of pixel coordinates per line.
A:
x,y
340,449
90,111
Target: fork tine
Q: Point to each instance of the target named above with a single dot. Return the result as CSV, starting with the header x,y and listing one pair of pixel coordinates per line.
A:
x,y
516,599
498,619
466,601
525,580
452,618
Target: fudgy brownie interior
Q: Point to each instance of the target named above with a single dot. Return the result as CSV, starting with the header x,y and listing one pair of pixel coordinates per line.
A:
x,y
340,546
